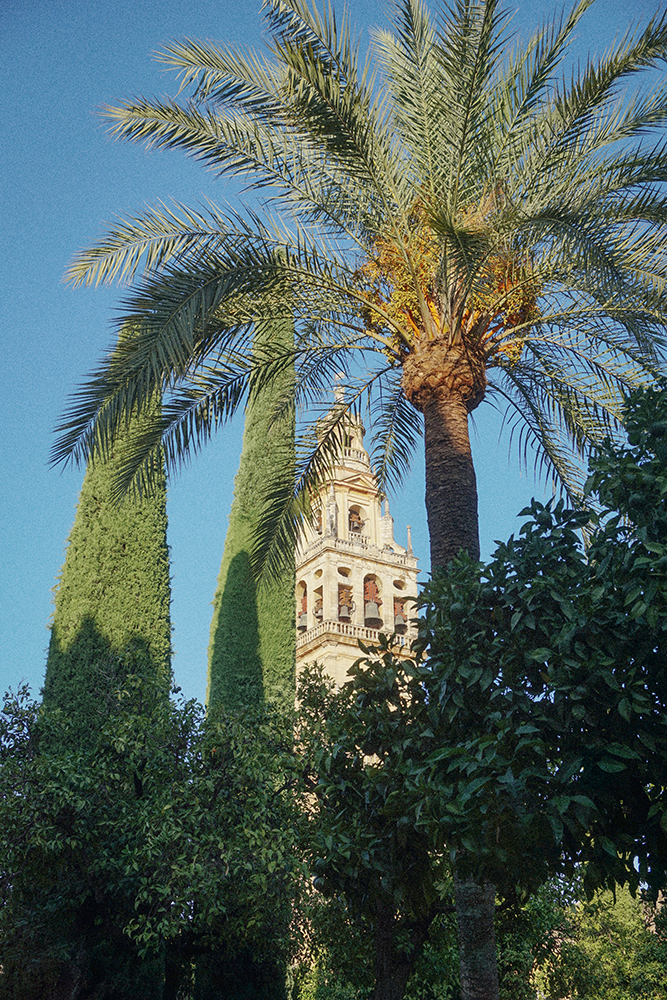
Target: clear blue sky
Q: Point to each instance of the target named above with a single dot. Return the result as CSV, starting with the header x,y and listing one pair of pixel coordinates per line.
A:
x,y
62,180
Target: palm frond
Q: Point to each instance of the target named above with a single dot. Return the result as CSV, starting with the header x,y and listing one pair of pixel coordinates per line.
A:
x,y
286,508
149,242
566,398
397,430
515,184
180,318
188,419
523,86
471,44
226,75
578,111
534,424
414,82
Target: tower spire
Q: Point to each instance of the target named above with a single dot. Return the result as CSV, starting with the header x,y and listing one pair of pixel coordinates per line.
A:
x,y
352,578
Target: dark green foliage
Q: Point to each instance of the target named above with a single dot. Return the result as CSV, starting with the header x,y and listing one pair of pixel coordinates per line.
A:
x,y
252,647
322,980
548,674
556,946
161,840
531,741
367,757
112,599
630,479
371,852
253,638
235,667
111,622
529,936
529,941
242,976
558,752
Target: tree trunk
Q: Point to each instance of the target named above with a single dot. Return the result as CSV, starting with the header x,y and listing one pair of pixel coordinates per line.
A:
x,y
446,383
174,972
451,485
475,908
393,968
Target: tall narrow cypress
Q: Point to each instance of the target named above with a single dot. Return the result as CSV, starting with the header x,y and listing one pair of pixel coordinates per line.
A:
x,y
252,650
253,640
111,620
112,600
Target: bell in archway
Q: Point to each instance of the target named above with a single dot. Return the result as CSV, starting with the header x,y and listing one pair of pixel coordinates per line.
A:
x,y
372,617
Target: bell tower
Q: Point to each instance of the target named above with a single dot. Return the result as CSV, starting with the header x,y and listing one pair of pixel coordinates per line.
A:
x,y
353,579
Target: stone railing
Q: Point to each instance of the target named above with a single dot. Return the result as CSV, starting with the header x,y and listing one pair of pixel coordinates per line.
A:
x,y
349,543
348,630
357,456
362,542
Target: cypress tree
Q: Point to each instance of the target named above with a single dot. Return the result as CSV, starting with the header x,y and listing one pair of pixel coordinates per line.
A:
x,y
111,620
252,649
112,600
253,640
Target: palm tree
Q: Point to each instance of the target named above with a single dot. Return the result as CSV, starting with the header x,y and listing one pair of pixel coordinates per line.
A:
x,y
447,221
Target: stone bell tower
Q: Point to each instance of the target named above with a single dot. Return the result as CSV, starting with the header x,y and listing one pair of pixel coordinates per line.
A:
x,y
353,580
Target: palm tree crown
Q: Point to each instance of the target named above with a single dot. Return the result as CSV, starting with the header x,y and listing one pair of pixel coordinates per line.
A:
x,y
447,220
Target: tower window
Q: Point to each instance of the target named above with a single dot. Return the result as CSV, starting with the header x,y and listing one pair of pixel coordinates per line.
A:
x,y
345,602
302,607
400,621
355,522
372,603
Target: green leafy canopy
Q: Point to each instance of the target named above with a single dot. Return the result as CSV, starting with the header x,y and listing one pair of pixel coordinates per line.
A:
x,y
529,737
167,836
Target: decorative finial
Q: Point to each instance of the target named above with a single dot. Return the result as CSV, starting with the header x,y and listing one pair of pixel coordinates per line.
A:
x,y
409,541
331,512
339,390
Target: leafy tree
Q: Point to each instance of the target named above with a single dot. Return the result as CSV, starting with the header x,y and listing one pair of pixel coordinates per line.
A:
x,y
533,739
253,639
163,839
363,843
529,936
568,646
111,621
451,220
340,964
615,948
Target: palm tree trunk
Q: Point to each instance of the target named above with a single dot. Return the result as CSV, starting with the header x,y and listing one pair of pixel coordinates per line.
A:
x,y
391,974
451,504
451,484
446,383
